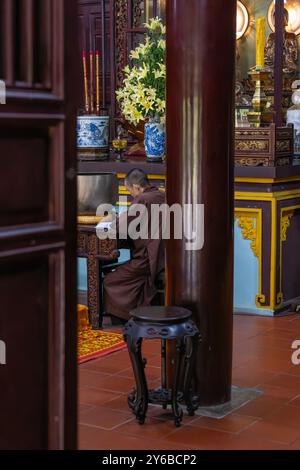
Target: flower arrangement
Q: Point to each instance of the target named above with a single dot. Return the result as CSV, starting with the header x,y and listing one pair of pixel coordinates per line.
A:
x,y
143,96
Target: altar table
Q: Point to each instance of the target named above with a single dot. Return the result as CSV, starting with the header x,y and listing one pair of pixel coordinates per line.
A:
x,y
97,252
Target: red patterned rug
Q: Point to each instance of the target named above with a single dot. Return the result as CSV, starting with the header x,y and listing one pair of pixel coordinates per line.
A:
x,y
94,344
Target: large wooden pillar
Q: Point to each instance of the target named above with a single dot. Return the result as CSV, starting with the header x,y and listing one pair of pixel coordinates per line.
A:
x,y
200,135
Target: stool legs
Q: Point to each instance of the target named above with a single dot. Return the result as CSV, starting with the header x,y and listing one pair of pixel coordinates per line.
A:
x,y
179,355
191,346
138,401
185,336
164,369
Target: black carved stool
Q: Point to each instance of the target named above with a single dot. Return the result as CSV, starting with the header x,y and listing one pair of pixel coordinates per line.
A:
x,y
164,323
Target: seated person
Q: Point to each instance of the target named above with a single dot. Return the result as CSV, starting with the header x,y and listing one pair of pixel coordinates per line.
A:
x,y
133,284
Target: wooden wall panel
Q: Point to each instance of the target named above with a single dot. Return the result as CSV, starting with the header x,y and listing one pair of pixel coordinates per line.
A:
x,y
114,27
94,19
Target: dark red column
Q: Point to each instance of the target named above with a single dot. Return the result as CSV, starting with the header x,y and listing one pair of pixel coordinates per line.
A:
x,y
200,135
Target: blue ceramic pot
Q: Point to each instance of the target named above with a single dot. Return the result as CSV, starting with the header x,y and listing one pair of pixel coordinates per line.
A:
x,y
92,132
155,140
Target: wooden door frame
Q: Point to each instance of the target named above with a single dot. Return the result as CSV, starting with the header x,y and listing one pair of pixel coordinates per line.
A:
x,y
72,93
47,118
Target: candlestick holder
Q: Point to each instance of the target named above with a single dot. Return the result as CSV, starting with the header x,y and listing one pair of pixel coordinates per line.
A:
x,y
120,145
261,115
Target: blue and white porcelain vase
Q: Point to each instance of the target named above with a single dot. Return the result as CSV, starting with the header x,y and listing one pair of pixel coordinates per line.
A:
x,y
155,140
93,132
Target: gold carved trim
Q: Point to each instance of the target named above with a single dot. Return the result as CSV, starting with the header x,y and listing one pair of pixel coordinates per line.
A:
x,y
252,145
248,224
267,180
279,298
260,300
285,223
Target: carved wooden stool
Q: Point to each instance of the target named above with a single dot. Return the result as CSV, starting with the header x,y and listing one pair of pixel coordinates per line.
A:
x,y
164,323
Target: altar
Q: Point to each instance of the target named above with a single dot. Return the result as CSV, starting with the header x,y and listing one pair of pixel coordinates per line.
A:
x,y
267,224
266,175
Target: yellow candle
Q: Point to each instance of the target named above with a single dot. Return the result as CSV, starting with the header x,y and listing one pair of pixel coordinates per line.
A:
x,y
260,42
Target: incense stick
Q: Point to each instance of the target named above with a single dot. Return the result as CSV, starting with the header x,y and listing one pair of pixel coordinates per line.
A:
x,y
98,82
86,92
92,80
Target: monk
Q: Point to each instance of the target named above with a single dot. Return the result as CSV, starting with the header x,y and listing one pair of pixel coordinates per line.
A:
x,y
133,284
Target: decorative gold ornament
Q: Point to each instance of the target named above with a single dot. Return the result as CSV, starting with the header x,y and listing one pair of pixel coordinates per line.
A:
x,y
248,224
285,223
279,298
252,145
260,300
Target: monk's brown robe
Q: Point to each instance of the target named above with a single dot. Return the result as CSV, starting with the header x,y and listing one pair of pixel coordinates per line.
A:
x,y
133,284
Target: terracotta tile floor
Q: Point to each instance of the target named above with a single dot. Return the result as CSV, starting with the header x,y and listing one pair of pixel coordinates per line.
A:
x,y
262,358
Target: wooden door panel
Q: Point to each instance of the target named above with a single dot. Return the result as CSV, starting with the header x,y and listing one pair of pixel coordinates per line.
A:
x,y
26,25
24,290
33,189
24,193
38,62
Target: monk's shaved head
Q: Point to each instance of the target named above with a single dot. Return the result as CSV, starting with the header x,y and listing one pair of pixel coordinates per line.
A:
x,y
137,177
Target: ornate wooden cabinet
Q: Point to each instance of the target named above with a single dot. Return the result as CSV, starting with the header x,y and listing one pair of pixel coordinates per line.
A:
x,y
264,146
